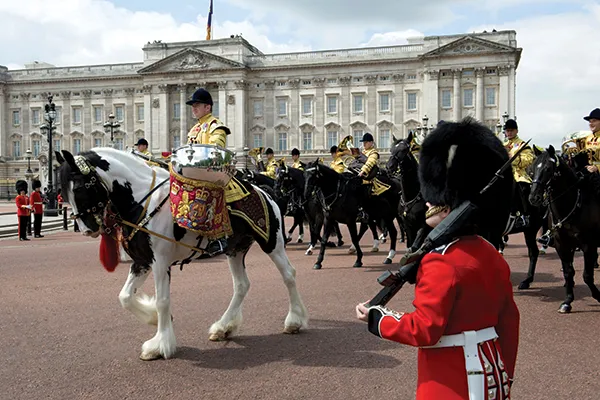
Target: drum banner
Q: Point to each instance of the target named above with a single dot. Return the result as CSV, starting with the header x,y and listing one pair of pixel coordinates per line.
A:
x,y
199,206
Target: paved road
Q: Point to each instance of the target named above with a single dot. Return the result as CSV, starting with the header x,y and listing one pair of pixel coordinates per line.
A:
x,y
64,335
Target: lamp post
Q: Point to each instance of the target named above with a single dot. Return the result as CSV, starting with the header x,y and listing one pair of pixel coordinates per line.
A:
x,y
505,116
246,149
109,127
29,177
48,128
498,128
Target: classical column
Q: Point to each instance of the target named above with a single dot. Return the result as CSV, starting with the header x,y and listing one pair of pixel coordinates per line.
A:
x,y
269,111
222,93
67,119
503,96
456,103
163,118
345,106
432,107
25,123
86,122
183,108
148,131
319,133
239,129
371,103
129,117
479,100
4,121
398,103
293,133
511,91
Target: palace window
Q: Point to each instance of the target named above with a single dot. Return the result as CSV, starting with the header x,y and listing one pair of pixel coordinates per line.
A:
x,y
357,135
176,141
97,142
35,117
357,104
76,146
332,139
281,107
16,149
332,105
119,143
282,141
140,112
119,114
215,109
258,140
306,105
58,116
490,96
56,144
307,140
446,99
468,98
411,101
258,108
331,81
176,110
76,115
98,114
384,102
16,118
384,139
36,148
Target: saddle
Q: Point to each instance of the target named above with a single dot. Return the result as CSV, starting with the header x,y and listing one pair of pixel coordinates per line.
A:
x,y
377,186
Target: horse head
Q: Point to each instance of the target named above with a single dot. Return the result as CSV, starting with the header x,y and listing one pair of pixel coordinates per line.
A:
x,y
400,155
544,168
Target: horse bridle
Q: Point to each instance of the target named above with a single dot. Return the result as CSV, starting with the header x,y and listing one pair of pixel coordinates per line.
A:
x,y
92,180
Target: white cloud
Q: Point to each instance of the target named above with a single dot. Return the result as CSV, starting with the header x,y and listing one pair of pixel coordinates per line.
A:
x,y
392,38
559,72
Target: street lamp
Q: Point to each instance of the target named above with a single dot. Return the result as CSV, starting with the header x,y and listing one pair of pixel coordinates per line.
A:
x,y
29,177
505,116
246,149
109,127
47,129
498,128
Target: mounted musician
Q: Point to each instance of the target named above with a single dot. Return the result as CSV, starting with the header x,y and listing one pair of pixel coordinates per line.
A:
x,y
521,208
142,147
271,167
337,162
297,163
211,219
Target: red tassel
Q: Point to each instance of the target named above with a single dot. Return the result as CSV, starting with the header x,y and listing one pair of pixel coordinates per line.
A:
x,y
109,252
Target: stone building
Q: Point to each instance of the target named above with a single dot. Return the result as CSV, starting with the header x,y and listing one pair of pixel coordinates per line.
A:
x,y
308,100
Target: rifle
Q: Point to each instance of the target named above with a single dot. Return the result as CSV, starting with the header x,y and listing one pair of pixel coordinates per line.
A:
x,y
442,234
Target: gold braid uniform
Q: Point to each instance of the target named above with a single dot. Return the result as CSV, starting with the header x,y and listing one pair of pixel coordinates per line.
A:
x,y
372,158
210,130
338,163
298,165
522,162
271,167
591,145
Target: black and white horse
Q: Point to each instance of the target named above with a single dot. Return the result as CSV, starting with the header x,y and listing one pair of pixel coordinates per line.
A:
x,y
104,181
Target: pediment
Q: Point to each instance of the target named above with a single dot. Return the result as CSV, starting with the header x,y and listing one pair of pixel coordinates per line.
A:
x,y
384,123
76,134
332,125
282,127
469,45
358,125
412,122
139,133
306,127
96,133
190,60
257,129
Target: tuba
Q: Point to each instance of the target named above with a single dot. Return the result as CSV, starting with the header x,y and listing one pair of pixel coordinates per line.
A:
x,y
574,143
346,147
256,153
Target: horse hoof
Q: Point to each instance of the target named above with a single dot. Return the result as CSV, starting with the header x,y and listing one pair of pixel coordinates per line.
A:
x,y
291,330
300,241
287,240
351,251
357,264
501,252
340,243
219,336
330,244
565,308
308,253
317,266
524,285
375,250
387,261
150,356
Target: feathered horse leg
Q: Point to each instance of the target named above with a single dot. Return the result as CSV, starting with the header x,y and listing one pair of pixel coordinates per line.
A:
x,y
140,304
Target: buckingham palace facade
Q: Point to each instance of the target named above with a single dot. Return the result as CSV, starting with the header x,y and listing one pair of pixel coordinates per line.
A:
x,y
307,100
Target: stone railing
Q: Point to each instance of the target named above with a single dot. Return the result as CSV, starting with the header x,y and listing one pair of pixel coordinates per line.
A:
x,y
403,51
87,70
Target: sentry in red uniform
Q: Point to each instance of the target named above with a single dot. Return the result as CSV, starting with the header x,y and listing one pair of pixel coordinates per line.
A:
x,y
23,210
464,286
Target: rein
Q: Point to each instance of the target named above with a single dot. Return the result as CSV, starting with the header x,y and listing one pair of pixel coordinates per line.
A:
x,y
407,205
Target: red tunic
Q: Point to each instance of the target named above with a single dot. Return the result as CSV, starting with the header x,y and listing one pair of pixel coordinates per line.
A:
x,y
461,287
36,200
22,201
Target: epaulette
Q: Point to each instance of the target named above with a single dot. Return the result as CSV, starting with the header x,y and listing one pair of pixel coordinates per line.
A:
x,y
443,248
215,124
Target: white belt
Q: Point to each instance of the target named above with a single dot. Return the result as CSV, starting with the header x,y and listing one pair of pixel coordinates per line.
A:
x,y
469,341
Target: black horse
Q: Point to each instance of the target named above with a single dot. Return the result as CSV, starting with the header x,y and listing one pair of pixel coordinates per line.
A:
x,y
574,215
411,207
341,196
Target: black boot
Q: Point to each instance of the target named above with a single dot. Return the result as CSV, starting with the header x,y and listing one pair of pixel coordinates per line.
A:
x,y
216,247
362,216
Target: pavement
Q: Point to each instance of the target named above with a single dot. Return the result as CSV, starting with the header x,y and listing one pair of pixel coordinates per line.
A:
x,y
65,336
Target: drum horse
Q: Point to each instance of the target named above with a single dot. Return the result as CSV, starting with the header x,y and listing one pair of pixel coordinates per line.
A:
x,y
118,196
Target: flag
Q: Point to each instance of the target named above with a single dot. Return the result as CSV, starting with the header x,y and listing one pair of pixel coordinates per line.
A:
x,y
209,22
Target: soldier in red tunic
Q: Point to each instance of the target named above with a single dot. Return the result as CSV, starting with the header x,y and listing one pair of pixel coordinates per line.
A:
x,y
35,200
465,322
23,208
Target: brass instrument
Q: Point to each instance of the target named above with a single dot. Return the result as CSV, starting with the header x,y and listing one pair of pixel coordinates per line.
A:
x,y
574,143
346,147
256,153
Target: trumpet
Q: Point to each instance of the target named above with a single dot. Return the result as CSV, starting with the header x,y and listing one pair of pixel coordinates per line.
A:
x,y
256,153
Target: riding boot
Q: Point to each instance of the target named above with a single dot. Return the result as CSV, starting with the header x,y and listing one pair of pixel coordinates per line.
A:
x,y
216,247
362,216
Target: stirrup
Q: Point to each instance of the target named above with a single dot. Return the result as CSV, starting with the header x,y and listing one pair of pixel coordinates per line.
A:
x,y
544,240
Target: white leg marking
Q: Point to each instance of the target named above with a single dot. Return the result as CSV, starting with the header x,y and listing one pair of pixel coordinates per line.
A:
x,y
232,318
310,249
375,248
391,254
140,304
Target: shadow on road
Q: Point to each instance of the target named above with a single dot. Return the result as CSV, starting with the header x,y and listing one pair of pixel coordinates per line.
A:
x,y
320,346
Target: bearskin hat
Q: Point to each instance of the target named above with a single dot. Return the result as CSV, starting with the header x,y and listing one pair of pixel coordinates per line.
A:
x,y
457,160
36,184
21,185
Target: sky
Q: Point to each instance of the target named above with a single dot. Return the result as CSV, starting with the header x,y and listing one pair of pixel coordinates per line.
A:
x,y
558,77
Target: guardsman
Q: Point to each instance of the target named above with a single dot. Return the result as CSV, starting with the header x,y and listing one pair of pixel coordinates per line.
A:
x,y
465,321
372,157
337,164
520,165
142,147
210,130
297,163
271,167
35,200
23,208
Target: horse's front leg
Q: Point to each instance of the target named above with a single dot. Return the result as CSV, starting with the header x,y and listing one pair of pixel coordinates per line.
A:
x,y
566,254
590,258
232,318
163,344
355,242
140,304
373,227
300,226
533,252
327,226
393,239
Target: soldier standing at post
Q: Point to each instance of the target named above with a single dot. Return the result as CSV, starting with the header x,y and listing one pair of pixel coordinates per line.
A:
x,y
35,200
23,208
